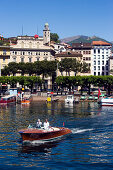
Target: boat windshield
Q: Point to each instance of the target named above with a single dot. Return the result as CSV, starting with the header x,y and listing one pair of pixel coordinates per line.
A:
x,y
69,97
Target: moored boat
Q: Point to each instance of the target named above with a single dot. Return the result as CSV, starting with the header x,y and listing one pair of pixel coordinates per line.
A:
x,y
25,101
8,99
69,99
106,101
31,134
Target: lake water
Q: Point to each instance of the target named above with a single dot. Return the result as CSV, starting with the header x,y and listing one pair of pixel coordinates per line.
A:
x,y
89,146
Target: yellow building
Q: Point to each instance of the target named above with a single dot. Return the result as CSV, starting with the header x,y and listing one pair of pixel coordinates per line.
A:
x,y
4,56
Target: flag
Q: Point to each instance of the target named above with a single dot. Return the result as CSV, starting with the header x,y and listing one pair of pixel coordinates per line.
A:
x,y
99,93
63,123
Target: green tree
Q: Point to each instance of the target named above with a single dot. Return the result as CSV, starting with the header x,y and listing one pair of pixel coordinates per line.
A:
x,y
22,68
31,80
13,68
54,37
37,68
30,68
5,71
66,65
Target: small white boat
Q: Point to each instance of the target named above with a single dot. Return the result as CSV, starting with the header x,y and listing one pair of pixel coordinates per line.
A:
x,y
106,101
69,99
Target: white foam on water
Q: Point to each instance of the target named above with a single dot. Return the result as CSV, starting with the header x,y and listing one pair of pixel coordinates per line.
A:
x,y
77,130
40,142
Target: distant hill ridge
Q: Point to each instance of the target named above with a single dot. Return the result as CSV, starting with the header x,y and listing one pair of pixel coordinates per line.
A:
x,y
82,38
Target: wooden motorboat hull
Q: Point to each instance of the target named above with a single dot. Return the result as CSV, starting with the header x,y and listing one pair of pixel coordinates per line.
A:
x,y
39,134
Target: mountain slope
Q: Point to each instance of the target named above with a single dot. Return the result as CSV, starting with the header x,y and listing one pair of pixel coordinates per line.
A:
x,y
81,38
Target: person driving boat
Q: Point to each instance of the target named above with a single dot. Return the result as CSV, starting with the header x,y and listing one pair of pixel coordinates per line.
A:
x,y
46,125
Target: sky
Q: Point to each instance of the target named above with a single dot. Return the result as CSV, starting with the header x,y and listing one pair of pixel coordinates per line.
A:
x,y
65,17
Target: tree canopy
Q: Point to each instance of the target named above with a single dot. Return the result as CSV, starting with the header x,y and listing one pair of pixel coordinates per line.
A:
x,y
54,37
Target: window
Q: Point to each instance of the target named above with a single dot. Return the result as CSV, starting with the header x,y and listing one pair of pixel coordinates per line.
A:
x,y
98,56
98,67
94,56
29,53
106,56
98,62
94,73
98,73
106,67
37,58
30,60
94,67
22,59
102,62
102,67
102,56
14,59
94,62
106,73
99,51
4,52
94,51
106,62
103,73
3,59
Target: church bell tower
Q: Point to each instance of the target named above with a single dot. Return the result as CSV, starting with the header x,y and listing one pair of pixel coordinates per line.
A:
x,y
46,34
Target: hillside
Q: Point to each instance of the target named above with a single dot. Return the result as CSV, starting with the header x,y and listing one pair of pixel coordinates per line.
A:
x,y
81,38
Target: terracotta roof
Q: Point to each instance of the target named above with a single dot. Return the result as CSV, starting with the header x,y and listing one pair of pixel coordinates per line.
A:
x,y
100,43
81,45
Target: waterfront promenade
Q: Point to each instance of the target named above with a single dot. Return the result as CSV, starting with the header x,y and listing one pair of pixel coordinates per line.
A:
x,y
44,98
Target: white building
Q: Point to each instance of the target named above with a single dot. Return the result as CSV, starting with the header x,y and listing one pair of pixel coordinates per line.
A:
x,y
101,51
59,47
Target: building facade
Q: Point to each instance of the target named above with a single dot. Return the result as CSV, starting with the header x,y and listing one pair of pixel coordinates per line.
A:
x,y
96,55
85,50
101,52
4,56
32,48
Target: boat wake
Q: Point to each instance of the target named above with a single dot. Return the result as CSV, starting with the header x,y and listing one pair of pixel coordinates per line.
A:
x,y
77,130
41,142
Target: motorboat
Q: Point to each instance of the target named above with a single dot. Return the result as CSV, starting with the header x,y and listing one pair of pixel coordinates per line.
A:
x,y
32,134
25,101
106,101
8,99
69,99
